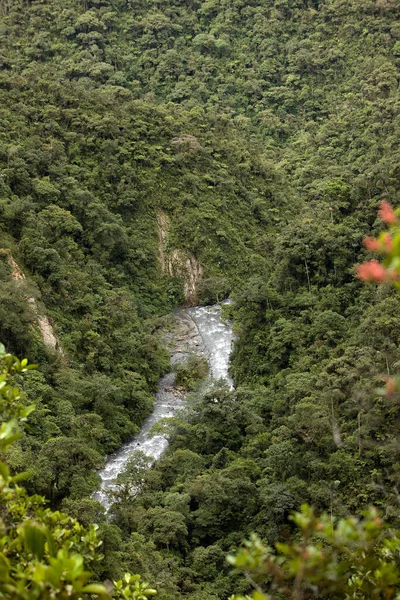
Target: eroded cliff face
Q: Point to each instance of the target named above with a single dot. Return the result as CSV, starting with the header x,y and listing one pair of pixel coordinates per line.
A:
x,y
177,262
50,340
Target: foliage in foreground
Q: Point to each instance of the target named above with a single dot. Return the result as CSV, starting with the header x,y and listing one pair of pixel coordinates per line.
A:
x,y
43,554
349,558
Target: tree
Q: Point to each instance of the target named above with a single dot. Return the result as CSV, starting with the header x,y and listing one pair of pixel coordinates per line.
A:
x,y
350,558
43,554
335,559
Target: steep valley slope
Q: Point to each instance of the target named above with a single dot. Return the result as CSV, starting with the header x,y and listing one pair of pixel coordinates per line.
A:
x,y
156,154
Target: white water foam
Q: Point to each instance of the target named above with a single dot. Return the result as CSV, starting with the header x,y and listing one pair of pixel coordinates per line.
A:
x,y
218,338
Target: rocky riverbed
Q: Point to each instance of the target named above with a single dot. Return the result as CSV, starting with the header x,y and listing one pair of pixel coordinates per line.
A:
x,y
182,338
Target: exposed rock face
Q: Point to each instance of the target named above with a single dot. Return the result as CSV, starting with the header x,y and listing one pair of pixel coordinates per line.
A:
x,y
182,338
46,329
162,232
178,263
50,340
16,272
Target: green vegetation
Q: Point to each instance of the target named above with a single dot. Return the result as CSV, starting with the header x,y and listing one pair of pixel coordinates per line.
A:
x,y
191,372
350,559
43,554
266,132
88,160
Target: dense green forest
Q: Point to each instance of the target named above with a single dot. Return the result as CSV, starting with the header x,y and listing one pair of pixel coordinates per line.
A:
x,y
263,134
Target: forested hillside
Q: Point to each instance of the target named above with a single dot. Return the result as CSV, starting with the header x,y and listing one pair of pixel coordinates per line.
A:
x,y
87,164
262,135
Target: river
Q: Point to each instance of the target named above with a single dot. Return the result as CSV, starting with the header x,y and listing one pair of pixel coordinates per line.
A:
x,y
200,331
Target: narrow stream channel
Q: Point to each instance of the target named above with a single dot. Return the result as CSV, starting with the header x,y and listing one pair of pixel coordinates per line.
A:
x,y
215,339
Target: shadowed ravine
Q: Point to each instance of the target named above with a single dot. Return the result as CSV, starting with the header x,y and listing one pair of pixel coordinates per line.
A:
x,y
198,330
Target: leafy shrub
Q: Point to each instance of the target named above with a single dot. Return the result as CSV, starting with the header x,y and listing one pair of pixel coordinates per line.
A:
x,y
190,373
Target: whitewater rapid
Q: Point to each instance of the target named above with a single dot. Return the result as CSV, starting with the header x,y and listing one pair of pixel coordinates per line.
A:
x,y
217,336
215,342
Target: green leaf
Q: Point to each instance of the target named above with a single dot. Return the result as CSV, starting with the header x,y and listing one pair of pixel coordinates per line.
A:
x,y
34,538
4,471
4,567
25,412
51,547
21,476
95,588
